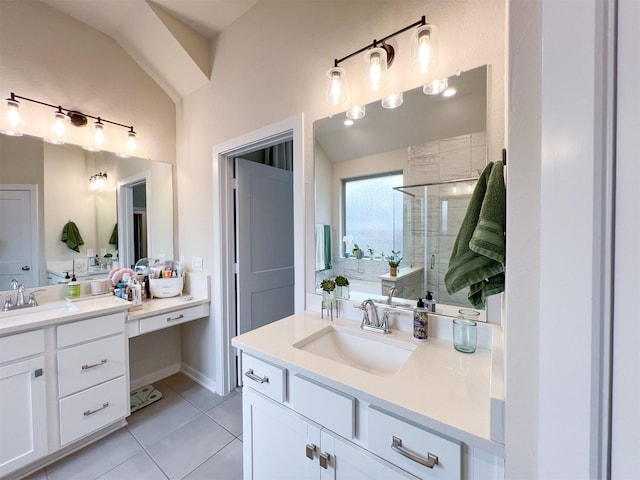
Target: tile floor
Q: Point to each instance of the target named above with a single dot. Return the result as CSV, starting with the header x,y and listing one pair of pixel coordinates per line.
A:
x,y
191,434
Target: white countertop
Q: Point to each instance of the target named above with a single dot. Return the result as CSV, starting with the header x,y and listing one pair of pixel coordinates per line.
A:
x,y
165,305
437,387
59,311
402,273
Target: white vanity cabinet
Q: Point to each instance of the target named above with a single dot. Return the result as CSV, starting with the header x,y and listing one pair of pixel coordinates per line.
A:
x,y
281,442
92,375
23,409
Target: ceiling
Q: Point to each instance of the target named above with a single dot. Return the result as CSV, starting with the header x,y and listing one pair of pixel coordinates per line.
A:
x,y
169,39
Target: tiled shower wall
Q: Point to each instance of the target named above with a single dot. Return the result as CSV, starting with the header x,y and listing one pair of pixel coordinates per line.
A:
x,y
434,223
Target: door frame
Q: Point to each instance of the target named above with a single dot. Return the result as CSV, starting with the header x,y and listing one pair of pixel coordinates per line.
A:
x,y
37,247
124,199
223,281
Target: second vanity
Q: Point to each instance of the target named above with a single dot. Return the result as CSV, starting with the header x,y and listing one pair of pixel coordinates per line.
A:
x,y
324,399
65,373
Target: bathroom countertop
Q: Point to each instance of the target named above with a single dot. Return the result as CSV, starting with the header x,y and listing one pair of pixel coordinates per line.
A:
x,y
164,305
59,311
402,273
437,387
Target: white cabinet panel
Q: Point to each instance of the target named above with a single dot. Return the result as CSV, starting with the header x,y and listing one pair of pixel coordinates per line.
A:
x,y
21,345
170,319
92,409
87,330
264,377
89,364
23,414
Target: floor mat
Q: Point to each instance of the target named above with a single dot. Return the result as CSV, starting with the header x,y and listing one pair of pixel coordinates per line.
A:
x,y
144,396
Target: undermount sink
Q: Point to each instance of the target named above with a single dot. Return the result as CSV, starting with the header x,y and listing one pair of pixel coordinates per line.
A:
x,y
370,352
46,310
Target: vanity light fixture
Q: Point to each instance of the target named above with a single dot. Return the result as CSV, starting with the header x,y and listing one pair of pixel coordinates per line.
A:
x,y
97,181
449,92
435,87
392,101
379,57
356,113
62,118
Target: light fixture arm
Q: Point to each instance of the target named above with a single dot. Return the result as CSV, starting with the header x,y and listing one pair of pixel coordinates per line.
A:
x,y
68,111
375,43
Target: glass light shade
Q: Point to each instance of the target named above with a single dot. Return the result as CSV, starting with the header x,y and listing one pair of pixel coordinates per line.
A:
x,y
424,49
337,86
449,92
132,144
59,128
98,136
356,113
12,119
436,87
98,181
376,60
392,101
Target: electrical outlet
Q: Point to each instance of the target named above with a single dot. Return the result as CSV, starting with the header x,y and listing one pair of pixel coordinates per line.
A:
x,y
182,260
90,252
196,264
103,252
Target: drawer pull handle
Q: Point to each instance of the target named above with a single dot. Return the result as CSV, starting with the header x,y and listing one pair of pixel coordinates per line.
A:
x,y
249,373
101,362
310,450
173,319
428,462
325,458
91,412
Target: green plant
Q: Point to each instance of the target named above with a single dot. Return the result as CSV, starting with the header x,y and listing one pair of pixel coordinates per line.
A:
x,y
328,285
371,251
394,259
356,251
342,281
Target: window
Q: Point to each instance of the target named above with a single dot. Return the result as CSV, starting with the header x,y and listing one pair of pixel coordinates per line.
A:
x,y
371,216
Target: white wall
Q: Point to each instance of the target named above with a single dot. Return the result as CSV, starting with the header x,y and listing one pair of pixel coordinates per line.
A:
x,y
271,63
51,57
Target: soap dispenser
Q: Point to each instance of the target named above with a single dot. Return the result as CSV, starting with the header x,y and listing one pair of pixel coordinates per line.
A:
x,y
430,303
420,322
73,288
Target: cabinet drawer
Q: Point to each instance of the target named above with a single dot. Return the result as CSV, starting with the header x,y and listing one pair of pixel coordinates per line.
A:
x,y
92,409
324,405
86,330
89,364
169,319
21,345
264,377
412,441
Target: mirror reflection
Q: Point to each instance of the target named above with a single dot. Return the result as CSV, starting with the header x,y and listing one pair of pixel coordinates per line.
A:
x,y
393,188
46,195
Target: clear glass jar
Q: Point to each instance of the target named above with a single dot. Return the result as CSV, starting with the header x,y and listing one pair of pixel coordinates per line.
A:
x,y
465,330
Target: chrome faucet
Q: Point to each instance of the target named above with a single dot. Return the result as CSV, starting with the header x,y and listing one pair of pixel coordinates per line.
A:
x,y
390,293
372,323
19,301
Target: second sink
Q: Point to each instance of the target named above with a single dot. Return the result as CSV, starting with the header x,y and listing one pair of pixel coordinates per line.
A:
x,y
362,350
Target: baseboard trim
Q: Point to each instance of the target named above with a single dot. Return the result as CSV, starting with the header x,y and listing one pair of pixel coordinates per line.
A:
x,y
198,377
154,376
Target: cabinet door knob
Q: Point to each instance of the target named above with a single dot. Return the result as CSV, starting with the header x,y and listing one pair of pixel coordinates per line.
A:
x,y
249,373
429,462
310,450
37,373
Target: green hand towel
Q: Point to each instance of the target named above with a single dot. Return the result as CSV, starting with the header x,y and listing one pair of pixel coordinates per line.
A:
x,y
478,255
113,239
327,247
71,236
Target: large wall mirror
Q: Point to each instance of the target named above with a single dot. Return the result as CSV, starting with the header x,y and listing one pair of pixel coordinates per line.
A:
x,y
43,187
399,180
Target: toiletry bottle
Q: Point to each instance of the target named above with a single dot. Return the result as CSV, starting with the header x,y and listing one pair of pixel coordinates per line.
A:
x,y
73,288
429,302
420,322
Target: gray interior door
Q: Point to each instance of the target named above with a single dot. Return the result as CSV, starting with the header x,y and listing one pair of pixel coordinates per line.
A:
x,y
16,242
264,244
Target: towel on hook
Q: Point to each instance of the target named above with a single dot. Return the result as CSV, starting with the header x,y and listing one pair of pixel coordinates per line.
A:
x,y
320,260
113,239
327,248
478,255
71,236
